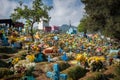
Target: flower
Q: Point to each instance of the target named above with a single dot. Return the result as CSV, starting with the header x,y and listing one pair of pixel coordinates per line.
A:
x,y
96,58
30,58
23,65
81,58
15,60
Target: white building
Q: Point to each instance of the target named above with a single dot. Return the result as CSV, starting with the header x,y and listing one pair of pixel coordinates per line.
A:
x,y
43,24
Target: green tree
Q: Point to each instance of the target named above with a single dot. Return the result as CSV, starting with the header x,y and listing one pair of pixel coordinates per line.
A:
x,y
82,25
103,16
32,15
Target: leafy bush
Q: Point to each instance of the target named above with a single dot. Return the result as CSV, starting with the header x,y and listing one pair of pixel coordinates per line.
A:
x,y
5,72
97,76
117,69
117,78
6,49
3,64
63,65
74,73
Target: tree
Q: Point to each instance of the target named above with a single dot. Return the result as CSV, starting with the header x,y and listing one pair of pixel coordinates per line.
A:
x,y
32,15
82,25
103,16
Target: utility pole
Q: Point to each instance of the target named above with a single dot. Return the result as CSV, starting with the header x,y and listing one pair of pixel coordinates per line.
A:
x,y
70,23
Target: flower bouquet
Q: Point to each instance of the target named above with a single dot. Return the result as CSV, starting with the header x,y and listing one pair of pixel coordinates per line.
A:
x,y
25,67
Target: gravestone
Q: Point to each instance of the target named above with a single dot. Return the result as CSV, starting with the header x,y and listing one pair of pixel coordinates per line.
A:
x,y
55,75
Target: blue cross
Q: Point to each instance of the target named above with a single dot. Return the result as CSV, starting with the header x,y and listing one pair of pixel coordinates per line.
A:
x,y
55,75
39,58
60,50
49,58
28,78
64,57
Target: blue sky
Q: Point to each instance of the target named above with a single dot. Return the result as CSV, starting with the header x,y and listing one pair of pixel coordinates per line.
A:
x,y
63,11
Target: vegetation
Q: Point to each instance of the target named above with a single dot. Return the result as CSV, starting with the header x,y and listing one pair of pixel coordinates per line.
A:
x,y
97,76
103,16
3,64
4,72
63,65
117,69
74,73
6,49
81,26
32,15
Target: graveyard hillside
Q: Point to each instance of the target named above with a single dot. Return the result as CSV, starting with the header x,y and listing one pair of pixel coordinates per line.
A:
x,y
73,48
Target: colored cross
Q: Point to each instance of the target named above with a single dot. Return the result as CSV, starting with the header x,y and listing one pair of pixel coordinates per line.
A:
x,y
49,58
64,57
55,75
28,78
39,58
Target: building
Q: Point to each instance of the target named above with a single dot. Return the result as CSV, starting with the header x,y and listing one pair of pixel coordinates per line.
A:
x,y
67,28
44,25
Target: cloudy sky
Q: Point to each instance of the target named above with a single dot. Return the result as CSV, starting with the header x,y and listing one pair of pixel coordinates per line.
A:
x,y
63,12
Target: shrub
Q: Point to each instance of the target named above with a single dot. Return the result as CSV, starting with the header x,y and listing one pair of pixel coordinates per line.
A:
x,y
117,69
4,56
97,76
74,73
3,64
63,65
6,49
117,78
5,72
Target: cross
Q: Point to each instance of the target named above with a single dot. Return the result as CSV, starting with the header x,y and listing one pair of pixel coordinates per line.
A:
x,y
39,58
60,50
49,58
55,75
64,57
28,78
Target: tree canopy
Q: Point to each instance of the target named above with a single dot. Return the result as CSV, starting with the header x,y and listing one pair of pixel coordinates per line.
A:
x,y
81,26
103,16
32,15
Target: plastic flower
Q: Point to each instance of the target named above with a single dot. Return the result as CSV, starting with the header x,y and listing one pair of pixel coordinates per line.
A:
x,y
80,58
23,65
15,60
96,58
30,58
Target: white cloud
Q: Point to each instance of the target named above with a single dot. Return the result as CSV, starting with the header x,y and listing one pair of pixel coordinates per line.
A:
x,y
6,8
65,11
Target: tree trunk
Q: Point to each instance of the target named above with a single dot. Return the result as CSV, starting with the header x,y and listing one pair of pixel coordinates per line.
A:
x,y
32,32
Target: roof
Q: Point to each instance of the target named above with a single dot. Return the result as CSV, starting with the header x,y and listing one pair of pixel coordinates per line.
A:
x,y
5,21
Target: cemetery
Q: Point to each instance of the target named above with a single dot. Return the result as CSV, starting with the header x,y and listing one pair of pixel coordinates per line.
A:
x,y
90,51
56,56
